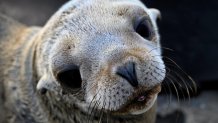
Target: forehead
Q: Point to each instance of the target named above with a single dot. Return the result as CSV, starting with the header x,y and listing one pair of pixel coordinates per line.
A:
x,y
92,15
112,10
120,7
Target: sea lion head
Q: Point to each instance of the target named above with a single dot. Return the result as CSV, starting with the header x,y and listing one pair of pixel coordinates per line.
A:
x,y
102,53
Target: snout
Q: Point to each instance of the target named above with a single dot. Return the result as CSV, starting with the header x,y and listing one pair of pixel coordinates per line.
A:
x,y
144,92
128,81
121,80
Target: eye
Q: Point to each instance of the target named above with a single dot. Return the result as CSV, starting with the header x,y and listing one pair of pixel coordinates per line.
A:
x,y
144,28
70,78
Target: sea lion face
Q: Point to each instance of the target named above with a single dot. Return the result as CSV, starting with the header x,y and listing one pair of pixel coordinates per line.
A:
x,y
106,54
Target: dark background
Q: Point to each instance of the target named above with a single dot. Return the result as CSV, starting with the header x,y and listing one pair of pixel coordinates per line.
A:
x,y
189,27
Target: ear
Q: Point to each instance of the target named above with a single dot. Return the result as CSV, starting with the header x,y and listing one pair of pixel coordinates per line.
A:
x,y
155,14
46,83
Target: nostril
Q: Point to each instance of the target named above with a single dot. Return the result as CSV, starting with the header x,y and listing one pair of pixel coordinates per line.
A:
x,y
128,72
70,78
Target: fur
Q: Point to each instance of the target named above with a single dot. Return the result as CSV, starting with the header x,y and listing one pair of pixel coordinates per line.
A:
x,y
96,35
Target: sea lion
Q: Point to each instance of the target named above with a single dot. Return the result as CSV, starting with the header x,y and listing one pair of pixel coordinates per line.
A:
x,y
94,61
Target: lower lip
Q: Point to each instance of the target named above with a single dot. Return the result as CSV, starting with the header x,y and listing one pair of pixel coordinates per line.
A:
x,y
141,98
146,106
140,104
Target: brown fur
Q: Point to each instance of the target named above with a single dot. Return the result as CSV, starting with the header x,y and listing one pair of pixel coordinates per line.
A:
x,y
30,61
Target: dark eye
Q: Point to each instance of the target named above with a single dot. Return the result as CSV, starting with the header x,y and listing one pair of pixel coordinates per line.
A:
x,y
144,29
70,78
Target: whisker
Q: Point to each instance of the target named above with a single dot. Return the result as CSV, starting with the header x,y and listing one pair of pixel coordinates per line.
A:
x,y
168,95
97,111
102,111
175,88
91,103
93,108
161,47
193,82
174,65
180,87
186,86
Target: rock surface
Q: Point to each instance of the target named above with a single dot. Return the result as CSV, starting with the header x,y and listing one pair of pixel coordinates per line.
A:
x,y
201,109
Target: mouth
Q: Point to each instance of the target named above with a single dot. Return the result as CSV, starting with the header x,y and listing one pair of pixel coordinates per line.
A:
x,y
139,102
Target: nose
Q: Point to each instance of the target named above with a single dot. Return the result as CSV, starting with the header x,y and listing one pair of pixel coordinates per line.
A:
x,y
128,72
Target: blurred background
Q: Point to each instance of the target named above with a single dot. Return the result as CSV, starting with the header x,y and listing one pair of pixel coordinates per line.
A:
x,y
188,27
